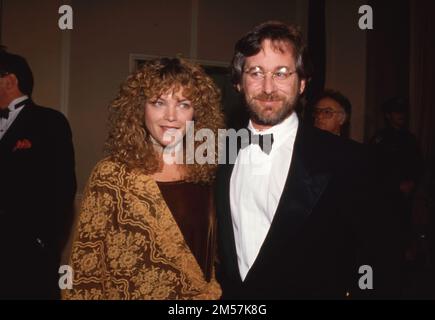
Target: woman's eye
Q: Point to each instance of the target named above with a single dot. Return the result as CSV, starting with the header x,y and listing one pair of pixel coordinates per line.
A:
x,y
158,103
185,105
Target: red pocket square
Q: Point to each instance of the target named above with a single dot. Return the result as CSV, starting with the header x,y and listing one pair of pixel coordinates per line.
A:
x,y
22,144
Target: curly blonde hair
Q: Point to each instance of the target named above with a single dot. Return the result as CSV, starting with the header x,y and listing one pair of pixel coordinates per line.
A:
x,y
129,141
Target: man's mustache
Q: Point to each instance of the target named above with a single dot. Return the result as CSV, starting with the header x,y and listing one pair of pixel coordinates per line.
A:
x,y
268,97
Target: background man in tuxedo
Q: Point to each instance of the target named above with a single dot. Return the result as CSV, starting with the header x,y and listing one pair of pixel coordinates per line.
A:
x,y
298,221
37,186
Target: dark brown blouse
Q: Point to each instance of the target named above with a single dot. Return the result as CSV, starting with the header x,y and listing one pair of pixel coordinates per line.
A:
x,y
192,207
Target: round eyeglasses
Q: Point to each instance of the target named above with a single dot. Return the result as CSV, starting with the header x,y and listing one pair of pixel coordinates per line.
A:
x,y
328,113
257,74
3,74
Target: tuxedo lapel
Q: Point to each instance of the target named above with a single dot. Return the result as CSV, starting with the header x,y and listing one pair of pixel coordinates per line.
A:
x,y
300,195
227,243
302,190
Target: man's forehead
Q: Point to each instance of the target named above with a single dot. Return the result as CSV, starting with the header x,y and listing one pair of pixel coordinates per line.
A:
x,y
328,102
278,46
280,52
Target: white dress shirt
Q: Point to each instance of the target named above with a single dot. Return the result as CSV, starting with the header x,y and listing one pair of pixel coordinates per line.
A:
x,y
13,113
256,185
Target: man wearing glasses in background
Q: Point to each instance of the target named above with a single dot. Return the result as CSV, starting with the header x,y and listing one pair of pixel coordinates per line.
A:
x,y
37,186
332,112
295,219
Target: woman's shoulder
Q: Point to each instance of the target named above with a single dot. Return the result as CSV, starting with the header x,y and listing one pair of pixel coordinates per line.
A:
x,y
109,169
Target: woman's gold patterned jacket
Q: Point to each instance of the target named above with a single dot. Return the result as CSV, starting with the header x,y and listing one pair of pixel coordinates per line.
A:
x,y
127,244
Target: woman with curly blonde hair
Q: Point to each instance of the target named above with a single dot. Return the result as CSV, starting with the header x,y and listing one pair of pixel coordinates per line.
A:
x,y
146,226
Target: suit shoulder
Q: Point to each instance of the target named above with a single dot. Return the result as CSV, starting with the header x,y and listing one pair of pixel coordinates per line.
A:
x,y
331,149
51,118
326,140
49,113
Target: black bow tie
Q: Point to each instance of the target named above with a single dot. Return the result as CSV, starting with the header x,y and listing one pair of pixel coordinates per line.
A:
x,y
264,141
4,113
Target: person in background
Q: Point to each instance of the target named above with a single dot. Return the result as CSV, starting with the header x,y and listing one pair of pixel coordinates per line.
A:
x,y
400,165
37,186
332,112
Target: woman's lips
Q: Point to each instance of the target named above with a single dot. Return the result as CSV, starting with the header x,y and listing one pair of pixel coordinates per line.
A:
x,y
170,133
167,128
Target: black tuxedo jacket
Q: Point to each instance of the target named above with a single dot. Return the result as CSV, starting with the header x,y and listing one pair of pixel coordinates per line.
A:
x,y
330,221
37,190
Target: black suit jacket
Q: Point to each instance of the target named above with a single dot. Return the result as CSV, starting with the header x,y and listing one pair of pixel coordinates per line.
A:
x,y
37,190
330,220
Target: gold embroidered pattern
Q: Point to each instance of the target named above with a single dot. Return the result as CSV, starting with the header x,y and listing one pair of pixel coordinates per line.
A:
x,y
128,245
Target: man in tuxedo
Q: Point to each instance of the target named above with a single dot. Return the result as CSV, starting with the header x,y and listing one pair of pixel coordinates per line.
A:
x,y
37,186
296,219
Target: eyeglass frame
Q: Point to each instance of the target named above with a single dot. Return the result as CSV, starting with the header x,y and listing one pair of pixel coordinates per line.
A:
x,y
327,112
273,73
4,73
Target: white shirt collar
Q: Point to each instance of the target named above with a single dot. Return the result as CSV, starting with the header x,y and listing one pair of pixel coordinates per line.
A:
x,y
282,131
16,101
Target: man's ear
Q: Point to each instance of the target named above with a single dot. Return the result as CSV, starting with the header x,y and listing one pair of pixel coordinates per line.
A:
x,y
343,119
302,86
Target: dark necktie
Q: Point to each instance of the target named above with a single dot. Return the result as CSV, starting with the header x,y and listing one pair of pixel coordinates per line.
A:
x,y
264,141
4,113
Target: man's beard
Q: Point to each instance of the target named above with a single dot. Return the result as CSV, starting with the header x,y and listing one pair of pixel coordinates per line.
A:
x,y
257,114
